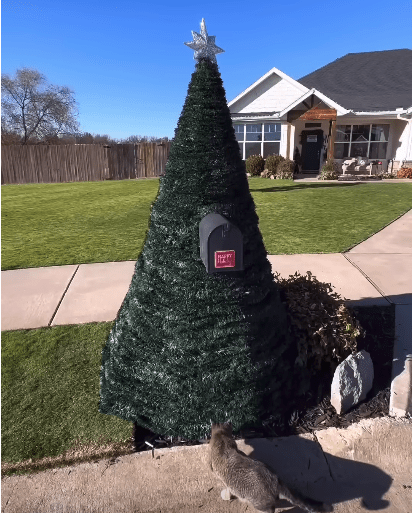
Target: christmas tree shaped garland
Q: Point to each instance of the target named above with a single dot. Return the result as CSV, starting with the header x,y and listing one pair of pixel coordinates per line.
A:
x,y
189,346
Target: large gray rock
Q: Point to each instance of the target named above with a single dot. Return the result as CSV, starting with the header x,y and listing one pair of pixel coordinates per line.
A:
x,y
351,382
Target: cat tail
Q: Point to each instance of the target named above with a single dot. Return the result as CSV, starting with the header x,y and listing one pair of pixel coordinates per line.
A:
x,y
306,503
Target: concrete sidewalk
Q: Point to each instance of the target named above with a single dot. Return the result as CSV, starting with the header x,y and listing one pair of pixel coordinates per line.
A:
x,y
366,466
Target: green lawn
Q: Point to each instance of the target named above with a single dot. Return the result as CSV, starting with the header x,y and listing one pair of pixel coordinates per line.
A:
x,y
50,376
86,222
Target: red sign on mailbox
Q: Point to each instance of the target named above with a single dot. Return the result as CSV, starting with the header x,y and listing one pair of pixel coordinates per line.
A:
x,y
224,259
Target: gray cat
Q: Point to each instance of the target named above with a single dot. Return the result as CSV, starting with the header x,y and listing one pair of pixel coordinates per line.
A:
x,y
251,480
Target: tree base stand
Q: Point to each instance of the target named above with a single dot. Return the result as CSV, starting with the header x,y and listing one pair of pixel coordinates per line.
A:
x,y
142,435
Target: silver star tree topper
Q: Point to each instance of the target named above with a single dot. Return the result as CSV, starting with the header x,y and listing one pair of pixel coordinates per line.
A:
x,y
204,45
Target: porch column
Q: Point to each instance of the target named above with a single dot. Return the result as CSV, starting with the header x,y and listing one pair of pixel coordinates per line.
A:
x,y
288,143
331,145
291,141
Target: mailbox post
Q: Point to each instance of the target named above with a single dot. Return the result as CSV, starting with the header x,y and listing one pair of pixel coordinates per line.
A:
x,y
221,244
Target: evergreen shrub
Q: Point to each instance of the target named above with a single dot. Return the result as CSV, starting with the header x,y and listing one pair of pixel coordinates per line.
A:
x,y
272,163
405,172
255,164
285,169
329,171
297,159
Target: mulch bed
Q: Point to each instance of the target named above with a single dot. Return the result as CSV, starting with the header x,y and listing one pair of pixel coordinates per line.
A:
x,y
315,412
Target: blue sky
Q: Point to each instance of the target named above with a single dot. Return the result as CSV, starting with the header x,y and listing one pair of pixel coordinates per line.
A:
x,y
128,66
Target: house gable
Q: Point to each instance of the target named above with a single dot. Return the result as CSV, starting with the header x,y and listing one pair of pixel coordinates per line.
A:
x,y
272,93
311,99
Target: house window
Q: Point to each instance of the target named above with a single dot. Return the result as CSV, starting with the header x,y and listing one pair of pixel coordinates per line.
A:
x,y
254,132
239,131
253,146
379,141
272,131
258,139
369,141
272,134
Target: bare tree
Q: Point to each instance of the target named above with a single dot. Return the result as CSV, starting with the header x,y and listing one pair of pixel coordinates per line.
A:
x,y
34,109
103,139
9,138
135,139
85,138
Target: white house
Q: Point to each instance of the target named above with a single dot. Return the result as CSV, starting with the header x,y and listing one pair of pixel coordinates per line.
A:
x,y
357,106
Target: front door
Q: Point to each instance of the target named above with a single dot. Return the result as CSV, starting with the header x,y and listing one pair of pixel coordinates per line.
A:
x,y
312,142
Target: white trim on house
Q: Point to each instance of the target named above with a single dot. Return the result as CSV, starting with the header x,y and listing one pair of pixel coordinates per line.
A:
x,y
255,117
391,114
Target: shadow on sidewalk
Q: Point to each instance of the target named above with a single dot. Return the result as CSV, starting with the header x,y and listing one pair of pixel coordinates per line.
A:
x,y
301,464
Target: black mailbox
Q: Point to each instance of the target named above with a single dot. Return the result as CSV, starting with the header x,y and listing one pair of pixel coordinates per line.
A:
x,y
221,244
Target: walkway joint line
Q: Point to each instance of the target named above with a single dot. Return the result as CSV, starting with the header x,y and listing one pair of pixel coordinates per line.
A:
x,y
367,277
61,299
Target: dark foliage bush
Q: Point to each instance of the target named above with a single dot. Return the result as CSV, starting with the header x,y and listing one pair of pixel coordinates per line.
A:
x,y
272,163
255,164
324,329
297,159
285,169
329,171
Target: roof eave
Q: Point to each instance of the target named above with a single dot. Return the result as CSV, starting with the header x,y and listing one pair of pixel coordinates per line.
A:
x,y
380,113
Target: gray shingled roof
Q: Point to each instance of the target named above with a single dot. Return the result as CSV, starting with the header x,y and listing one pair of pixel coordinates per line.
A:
x,y
370,81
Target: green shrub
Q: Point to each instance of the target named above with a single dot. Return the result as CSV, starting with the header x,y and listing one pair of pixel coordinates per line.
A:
x,y
272,163
323,328
329,171
285,169
255,164
297,158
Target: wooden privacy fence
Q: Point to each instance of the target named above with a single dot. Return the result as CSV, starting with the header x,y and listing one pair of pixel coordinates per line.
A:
x,y
82,162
